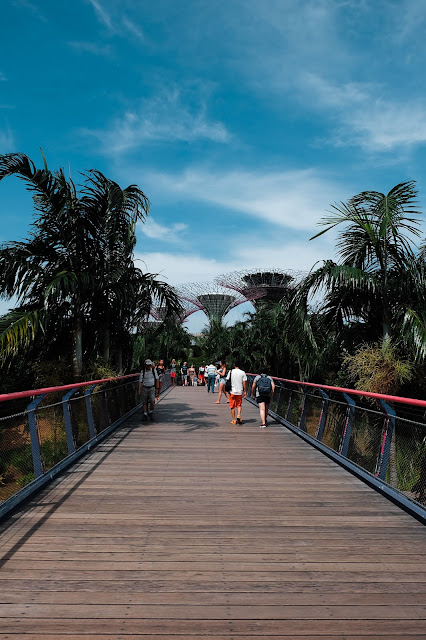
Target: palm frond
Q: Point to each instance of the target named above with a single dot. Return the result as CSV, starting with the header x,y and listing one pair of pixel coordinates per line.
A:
x,y
414,333
18,329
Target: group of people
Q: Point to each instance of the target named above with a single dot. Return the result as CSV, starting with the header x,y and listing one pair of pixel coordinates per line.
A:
x,y
232,384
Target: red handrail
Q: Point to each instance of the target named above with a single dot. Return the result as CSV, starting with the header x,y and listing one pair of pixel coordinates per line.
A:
x,y
66,387
356,392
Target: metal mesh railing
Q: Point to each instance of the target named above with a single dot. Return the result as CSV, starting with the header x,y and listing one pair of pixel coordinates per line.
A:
x,y
382,435
16,465
35,437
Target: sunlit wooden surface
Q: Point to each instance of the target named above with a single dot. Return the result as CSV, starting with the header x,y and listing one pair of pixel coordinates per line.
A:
x,y
195,528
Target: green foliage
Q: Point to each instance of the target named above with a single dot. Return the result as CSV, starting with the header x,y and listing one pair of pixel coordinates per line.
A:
x,y
376,368
75,277
168,340
53,451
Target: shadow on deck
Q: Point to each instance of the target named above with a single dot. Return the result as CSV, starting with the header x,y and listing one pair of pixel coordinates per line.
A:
x,y
192,527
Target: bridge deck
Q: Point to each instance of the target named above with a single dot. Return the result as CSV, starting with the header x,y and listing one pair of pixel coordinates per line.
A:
x,y
192,527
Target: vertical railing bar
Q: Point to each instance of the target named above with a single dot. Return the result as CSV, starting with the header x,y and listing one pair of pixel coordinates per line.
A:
x,y
289,406
105,401
35,436
350,414
323,416
304,408
89,411
383,462
67,419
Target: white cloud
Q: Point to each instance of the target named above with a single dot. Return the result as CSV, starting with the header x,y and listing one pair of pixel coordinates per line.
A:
x,y
91,47
132,28
2,77
294,199
7,141
171,233
367,117
116,23
250,252
163,118
26,4
101,13
384,126
178,267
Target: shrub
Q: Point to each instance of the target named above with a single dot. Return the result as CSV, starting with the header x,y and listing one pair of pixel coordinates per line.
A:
x,y
377,369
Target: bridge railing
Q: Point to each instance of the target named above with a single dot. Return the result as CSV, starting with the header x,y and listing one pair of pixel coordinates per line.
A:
x,y
382,435
43,431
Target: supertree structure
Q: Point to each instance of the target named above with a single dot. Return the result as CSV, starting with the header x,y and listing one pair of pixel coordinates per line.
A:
x,y
261,284
215,300
159,312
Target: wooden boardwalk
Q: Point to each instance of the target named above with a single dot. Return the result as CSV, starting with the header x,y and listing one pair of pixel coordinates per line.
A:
x,y
194,528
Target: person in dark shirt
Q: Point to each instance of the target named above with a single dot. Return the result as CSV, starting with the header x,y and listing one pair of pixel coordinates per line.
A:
x,y
184,373
161,369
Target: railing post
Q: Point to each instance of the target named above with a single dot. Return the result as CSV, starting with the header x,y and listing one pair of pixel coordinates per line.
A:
x,y
302,419
382,465
323,416
105,401
90,421
280,388
67,419
34,436
350,414
289,406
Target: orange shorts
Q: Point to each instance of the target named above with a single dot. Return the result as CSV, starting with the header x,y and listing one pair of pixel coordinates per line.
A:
x,y
235,401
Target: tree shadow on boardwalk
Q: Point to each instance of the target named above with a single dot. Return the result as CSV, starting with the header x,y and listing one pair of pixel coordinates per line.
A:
x,y
184,414
192,419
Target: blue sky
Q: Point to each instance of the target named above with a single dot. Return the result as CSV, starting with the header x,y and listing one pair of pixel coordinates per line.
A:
x,y
242,120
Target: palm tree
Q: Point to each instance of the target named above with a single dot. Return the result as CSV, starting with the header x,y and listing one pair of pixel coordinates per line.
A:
x,y
77,265
376,258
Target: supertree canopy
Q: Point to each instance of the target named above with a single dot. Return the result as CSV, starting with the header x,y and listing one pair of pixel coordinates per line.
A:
x,y
216,301
159,312
261,284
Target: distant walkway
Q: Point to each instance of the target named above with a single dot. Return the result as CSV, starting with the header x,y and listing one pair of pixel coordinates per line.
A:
x,y
195,528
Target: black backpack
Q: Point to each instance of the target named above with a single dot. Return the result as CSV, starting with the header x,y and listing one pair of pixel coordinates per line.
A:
x,y
264,385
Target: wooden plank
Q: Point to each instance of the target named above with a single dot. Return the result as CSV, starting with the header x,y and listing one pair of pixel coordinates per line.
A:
x,y
192,527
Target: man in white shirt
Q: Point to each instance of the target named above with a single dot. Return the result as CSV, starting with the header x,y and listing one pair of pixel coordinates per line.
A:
x,y
238,391
211,376
148,381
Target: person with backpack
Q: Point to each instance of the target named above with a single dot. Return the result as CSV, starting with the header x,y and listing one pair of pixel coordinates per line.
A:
x,y
148,383
263,386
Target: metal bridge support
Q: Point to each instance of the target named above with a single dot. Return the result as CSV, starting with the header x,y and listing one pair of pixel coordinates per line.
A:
x,y
67,419
302,419
289,406
323,416
90,421
35,436
350,414
382,465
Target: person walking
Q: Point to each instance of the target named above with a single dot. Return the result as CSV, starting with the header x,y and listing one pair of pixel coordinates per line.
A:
x,y
184,374
191,375
222,380
161,370
148,381
264,387
238,380
173,368
211,376
201,375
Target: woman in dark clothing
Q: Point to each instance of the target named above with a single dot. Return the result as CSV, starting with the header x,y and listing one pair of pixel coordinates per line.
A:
x,y
161,369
